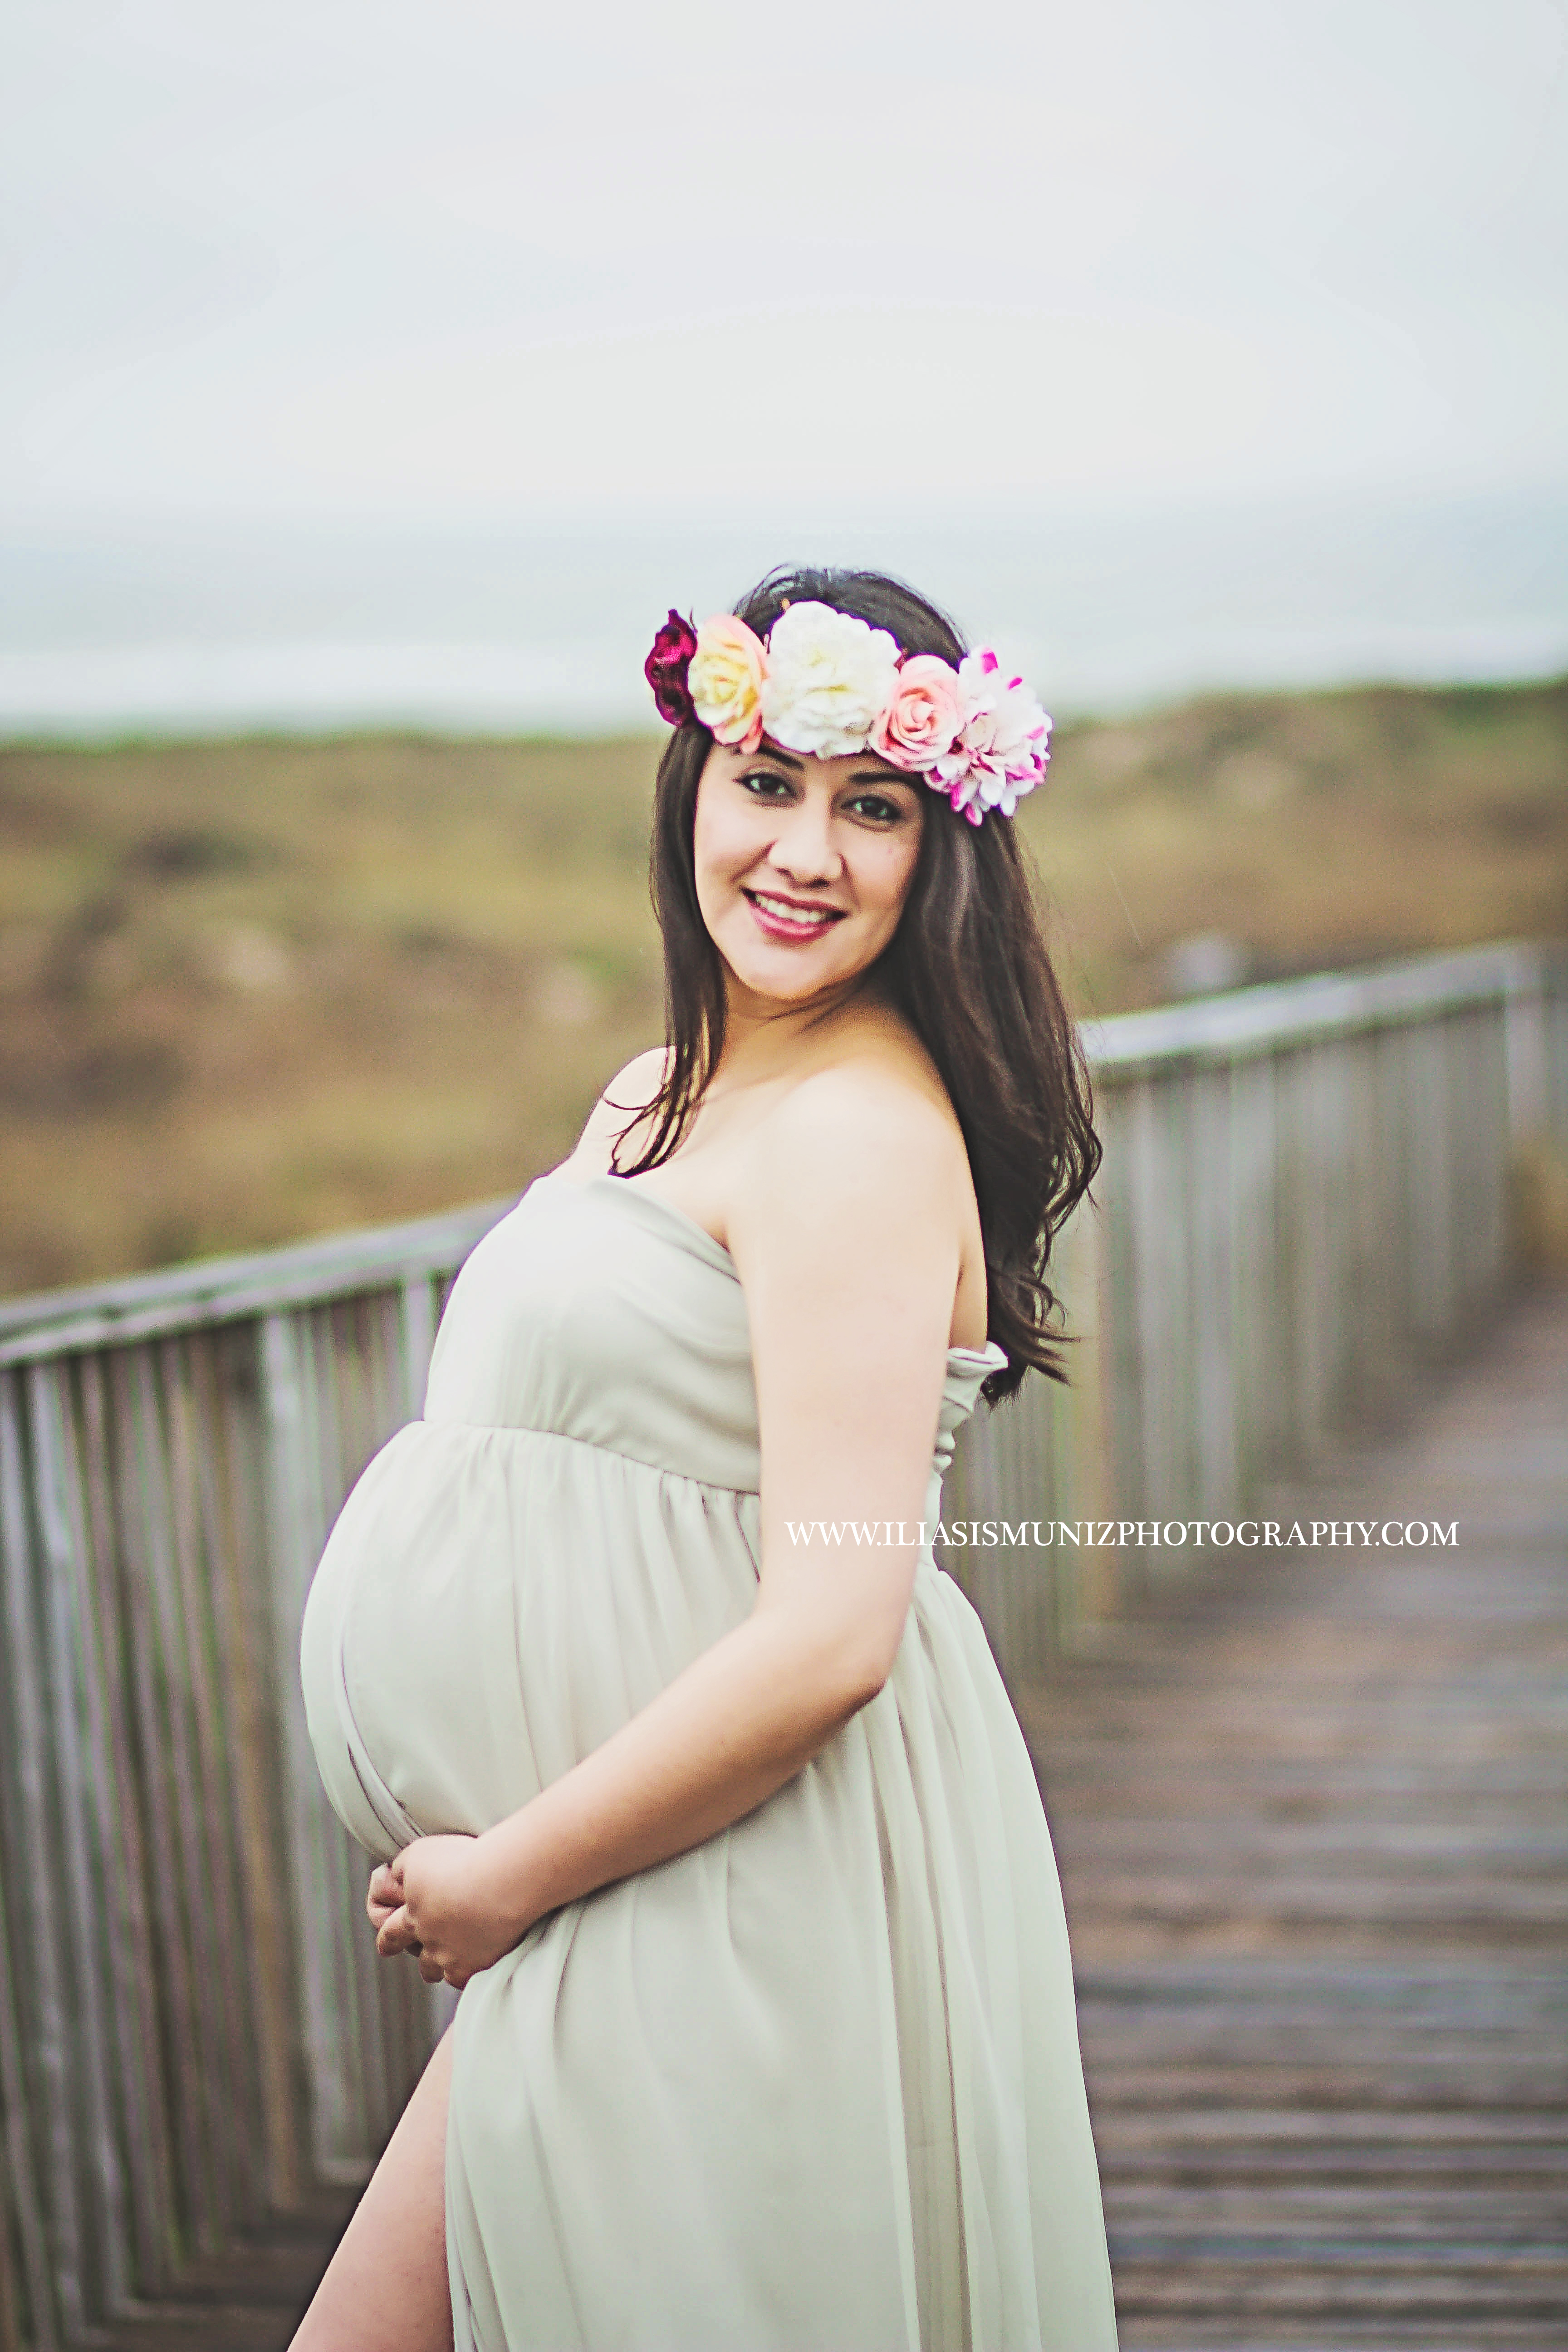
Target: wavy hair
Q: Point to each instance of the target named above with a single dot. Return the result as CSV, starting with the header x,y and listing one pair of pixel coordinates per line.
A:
x,y
967,967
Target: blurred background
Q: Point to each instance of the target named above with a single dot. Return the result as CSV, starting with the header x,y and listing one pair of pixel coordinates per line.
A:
x,y
374,380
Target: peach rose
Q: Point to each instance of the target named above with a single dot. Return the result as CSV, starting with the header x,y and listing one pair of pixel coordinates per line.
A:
x,y
919,724
725,681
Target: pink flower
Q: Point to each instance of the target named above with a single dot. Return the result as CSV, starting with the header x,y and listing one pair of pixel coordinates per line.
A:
x,y
919,723
728,672
1000,750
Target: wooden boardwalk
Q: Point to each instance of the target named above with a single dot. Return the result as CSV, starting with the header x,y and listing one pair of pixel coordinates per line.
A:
x,y
1313,1824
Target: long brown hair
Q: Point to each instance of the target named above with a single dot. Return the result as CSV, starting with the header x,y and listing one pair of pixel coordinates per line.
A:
x,y
967,967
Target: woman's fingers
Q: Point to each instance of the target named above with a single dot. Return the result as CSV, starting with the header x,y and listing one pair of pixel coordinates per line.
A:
x,y
394,1929
396,1934
386,1906
385,1892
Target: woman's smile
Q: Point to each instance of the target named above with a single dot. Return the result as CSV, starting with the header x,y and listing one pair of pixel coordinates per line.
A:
x,y
795,919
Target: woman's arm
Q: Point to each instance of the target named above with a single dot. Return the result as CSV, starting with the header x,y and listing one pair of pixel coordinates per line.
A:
x,y
846,1230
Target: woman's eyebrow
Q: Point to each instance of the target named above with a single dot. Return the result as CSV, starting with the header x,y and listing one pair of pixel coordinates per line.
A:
x,y
769,751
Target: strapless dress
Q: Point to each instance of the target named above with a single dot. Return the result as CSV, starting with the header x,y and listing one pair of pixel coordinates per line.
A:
x,y
814,2086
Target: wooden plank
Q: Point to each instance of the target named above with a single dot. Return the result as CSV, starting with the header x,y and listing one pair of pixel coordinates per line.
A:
x,y
217,1923
293,1543
142,1519
20,2204
131,1955
60,2303
222,1370
417,1306
1214,1406
77,1684
10,2308
202,2084
362,2089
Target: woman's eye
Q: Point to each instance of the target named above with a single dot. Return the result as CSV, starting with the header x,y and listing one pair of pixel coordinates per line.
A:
x,y
872,804
767,783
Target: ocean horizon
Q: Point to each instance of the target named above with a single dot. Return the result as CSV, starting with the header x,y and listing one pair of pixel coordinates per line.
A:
x,y
161,629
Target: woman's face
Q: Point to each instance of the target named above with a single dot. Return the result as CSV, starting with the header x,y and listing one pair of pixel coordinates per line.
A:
x,y
803,865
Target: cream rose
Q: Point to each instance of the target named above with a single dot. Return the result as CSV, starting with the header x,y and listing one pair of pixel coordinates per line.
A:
x,y
725,681
829,677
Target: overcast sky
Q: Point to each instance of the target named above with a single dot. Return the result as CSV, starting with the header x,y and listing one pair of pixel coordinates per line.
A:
x,y
326,258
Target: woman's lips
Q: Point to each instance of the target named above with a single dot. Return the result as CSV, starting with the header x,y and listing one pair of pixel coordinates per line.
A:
x,y
784,919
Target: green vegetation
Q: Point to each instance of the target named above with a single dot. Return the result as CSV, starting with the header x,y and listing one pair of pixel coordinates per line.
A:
x,y
254,990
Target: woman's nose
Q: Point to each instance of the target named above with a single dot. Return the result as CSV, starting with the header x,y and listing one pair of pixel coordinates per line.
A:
x,y
802,846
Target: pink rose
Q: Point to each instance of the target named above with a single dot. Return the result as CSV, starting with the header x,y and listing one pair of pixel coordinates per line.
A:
x,y
917,726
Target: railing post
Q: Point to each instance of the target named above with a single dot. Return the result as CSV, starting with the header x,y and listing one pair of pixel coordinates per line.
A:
x,y
418,1317
1524,1020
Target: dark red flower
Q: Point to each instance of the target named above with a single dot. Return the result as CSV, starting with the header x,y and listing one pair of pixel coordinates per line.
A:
x,y
666,669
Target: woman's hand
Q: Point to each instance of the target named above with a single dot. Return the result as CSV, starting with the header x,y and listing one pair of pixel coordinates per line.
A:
x,y
438,1900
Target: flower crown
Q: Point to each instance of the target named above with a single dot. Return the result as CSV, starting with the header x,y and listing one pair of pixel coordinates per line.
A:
x,y
827,682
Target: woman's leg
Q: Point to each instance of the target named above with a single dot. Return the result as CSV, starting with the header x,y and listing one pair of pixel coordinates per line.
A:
x,y
385,2288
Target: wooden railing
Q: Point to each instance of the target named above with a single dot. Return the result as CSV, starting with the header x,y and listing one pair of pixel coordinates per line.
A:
x,y
1305,1191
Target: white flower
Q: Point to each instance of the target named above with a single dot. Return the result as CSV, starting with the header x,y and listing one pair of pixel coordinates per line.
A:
x,y
999,751
829,677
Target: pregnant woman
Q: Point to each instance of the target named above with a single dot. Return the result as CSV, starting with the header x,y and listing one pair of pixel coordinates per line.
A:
x,y
630,1661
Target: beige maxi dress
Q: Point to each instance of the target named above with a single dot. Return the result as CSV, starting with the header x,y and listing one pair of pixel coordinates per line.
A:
x,y
814,2086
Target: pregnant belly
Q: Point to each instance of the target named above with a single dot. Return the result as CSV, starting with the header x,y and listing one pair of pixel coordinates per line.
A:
x,y
492,1605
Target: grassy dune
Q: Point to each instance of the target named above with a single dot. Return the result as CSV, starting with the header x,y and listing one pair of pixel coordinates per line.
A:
x,y
255,990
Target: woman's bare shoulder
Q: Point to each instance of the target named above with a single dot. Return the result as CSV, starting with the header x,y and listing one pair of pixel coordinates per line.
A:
x,y
874,1114
630,1091
880,1072
853,1205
